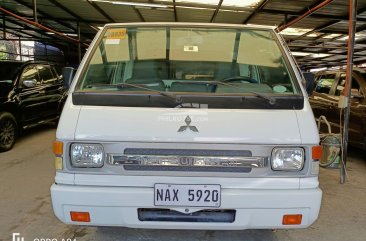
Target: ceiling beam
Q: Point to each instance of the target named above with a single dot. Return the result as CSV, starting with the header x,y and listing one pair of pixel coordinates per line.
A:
x,y
313,15
26,27
101,11
40,27
67,10
142,19
175,11
259,8
50,17
306,12
216,11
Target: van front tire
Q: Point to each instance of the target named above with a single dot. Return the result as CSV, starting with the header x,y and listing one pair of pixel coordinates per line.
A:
x,y
8,131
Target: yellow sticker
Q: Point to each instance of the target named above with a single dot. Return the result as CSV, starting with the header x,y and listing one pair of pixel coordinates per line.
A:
x,y
116,33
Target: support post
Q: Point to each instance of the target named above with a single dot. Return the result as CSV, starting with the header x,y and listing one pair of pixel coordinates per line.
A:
x,y
35,11
79,44
348,85
20,49
4,27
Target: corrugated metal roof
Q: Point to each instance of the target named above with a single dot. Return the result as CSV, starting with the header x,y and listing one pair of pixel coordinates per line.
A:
x,y
328,26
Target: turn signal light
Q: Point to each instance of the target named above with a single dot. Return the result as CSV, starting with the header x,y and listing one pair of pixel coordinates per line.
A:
x,y
292,219
80,217
58,147
316,152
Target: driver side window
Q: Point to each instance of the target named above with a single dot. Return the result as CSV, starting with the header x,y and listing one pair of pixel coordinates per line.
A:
x,y
355,89
325,83
30,73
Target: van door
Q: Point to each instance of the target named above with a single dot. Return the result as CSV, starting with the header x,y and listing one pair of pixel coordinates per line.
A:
x,y
324,102
31,96
53,90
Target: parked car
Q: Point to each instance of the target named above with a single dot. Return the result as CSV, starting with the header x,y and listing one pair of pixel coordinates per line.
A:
x,y
329,86
31,93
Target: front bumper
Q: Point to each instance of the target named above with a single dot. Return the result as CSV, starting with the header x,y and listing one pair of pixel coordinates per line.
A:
x,y
118,206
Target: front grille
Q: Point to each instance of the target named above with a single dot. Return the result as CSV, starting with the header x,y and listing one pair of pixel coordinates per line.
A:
x,y
187,160
186,152
203,216
187,169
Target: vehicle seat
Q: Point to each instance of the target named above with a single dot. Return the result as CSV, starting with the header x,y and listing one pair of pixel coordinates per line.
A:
x,y
149,74
191,87
97,74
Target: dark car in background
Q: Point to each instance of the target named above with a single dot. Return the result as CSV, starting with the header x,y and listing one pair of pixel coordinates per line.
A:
x,y
31,93
329,86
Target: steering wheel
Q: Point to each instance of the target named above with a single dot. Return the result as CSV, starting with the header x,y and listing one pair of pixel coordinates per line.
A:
x,y
239,78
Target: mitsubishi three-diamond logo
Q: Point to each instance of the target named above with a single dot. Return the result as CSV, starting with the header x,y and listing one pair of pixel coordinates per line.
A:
x,y
188,126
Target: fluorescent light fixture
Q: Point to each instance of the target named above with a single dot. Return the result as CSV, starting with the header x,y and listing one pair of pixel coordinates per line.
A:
x,y
207,2
50,33
227,3
235,11
295,31
196,8
333,35
319,55
300,54
137,4
71,34
318,69
358,36
241,3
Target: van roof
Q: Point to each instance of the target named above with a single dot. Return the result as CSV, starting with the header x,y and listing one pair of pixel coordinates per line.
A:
x,y
187,24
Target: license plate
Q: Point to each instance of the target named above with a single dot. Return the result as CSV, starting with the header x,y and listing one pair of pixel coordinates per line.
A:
x,y
187,195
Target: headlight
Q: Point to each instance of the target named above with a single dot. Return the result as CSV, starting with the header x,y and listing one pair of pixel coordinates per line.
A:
x,y
287,159
87,155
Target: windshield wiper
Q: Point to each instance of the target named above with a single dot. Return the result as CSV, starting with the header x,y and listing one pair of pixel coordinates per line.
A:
x,y
177,99
271,100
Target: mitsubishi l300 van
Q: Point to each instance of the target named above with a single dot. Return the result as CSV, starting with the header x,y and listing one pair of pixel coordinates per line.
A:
x,y
187,126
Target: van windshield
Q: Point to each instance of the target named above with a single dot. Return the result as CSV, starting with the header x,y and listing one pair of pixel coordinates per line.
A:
x,y
205,62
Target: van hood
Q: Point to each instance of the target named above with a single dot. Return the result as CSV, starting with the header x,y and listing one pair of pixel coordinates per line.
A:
x,y
187,125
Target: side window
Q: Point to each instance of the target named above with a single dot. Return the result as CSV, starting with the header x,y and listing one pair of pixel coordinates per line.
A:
x,y
30,73
355,89
54,72
324,83
45,74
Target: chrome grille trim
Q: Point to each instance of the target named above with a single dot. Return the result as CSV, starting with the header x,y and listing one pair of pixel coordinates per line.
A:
x,y
186,152
187,161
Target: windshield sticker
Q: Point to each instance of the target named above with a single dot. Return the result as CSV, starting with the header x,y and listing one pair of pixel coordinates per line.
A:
x,y
116,33
279,89
112,41
190,49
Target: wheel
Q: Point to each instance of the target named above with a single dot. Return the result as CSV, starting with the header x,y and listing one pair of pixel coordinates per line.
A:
x,y
8,131
239,78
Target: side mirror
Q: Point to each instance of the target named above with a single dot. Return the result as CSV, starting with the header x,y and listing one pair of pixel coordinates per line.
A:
x,y
355,94
30,83
309,82
68,75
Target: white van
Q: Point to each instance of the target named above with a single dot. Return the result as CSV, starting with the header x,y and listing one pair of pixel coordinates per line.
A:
x,y
187,126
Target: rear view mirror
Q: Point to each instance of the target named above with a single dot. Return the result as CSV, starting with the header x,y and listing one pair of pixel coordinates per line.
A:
x,y
309,82
30,83
68,75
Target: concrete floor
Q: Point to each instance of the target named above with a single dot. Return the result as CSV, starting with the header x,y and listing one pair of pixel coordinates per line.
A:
x,y
26,173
